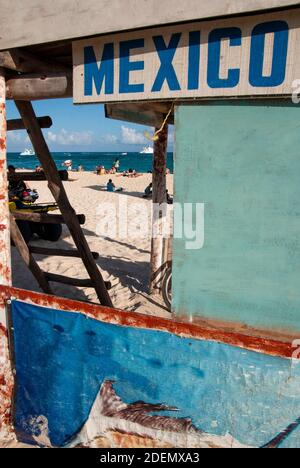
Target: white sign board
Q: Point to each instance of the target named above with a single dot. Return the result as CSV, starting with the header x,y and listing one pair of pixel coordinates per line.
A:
x,y
247,56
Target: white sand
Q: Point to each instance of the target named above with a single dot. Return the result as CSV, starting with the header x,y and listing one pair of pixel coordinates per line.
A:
x,y
123,261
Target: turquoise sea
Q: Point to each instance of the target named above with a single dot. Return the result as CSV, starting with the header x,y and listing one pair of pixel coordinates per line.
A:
x,y
139,162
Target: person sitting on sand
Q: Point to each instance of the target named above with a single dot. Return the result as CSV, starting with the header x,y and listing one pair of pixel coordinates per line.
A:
x,y
148,191
101,170
112,188
38,170
15,187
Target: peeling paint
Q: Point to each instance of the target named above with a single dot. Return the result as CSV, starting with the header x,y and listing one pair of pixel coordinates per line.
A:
x,y
6,378
6,385
260,344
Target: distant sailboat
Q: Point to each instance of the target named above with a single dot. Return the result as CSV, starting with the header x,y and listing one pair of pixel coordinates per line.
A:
x,y
27,152
147,150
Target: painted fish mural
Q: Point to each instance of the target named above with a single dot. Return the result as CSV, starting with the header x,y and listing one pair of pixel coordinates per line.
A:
x,y
82,382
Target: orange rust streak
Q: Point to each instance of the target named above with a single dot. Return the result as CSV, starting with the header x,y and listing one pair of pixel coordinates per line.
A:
x,y
130,319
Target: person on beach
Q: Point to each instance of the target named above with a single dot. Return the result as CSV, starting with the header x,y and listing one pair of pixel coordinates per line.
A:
x,y
101,170
148,191
15,187
116,165
38,169
112,188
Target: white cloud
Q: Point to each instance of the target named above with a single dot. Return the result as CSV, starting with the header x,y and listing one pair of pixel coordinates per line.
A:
x,y
65,138
109,139
131,136
17,137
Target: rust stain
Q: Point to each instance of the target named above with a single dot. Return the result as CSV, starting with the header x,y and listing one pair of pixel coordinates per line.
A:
x,y
2,144
263,345
6,383
3,227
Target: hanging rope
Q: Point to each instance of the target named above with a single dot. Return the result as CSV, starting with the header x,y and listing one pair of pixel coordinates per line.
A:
x,y
155,137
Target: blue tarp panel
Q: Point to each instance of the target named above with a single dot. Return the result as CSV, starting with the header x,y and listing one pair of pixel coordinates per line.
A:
x,y
63,358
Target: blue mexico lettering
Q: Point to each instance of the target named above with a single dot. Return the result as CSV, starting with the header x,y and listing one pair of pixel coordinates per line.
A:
x,y
194,60
280,29
214,58
166,55
126,66
100,75
95,74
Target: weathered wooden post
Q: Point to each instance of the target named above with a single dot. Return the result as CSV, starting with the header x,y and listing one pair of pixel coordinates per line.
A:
x,y
159,199
6,381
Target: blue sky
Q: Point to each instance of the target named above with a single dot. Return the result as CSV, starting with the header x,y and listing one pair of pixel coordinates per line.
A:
x,y
80,128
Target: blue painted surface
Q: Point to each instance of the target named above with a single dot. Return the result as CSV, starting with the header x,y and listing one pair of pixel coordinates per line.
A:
x,y
241,159
63,358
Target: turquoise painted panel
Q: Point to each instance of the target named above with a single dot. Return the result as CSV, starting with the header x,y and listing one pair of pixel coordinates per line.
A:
x,y
243,161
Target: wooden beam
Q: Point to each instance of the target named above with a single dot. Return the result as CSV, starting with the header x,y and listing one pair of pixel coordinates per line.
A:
x,y
58,252
45,218
159,197
58,191
22,61
26,256
80,283
35,87
34,176
17,124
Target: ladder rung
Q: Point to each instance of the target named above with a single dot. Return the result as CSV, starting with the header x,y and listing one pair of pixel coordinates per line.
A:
x,y
44,218
81,283
33,176
18,124
58,252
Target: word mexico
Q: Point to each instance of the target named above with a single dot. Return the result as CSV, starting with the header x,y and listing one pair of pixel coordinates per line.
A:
x,y
254,55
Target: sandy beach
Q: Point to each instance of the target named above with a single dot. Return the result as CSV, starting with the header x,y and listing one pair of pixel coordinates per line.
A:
x,y
124,259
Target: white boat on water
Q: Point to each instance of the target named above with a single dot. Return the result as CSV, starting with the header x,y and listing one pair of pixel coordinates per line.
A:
x,y
27,152
147,150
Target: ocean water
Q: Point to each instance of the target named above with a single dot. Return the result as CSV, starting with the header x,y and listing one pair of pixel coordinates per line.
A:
x,y
139,162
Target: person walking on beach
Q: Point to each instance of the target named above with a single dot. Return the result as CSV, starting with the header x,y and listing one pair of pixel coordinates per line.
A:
x,y
117,164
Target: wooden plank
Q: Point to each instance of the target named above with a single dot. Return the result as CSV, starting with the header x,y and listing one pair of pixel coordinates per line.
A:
x,y
58,191
17,124
26,256
159,197
25,23
25,62
46,218
34,176
34,87
57,252
80,283
242,67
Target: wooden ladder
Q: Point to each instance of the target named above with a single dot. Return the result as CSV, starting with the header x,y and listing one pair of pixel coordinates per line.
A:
x,y
68,216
